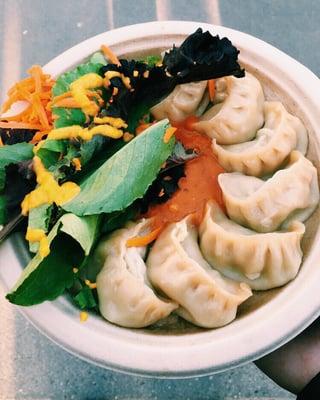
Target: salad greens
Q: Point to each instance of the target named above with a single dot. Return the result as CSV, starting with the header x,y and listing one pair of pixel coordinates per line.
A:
x,y
135,166
74,116
11,155
45,279
200,57
39,218
119,179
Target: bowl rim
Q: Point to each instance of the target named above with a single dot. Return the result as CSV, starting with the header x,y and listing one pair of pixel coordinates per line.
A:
x,y
187,355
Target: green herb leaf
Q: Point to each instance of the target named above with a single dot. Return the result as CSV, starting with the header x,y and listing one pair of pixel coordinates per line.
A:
x,y
50,151
57,156
152,60
68,117
45,279
12,154
62,84
85,299
51,276
83,230
125,176
3,210
118,219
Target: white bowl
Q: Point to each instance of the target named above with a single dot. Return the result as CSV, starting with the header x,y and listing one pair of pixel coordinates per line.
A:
x,y
267,320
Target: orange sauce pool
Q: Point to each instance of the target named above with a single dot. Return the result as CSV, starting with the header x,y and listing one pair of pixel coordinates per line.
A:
x,y
199,185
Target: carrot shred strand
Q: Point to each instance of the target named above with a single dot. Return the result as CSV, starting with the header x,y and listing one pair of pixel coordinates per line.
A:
x,y
36,91
140,241
168,134
109,54
211,89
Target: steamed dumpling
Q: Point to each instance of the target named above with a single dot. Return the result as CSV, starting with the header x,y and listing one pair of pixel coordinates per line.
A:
x,y
125,294
182,102
262,260
282,133
239,116
177,268
290,194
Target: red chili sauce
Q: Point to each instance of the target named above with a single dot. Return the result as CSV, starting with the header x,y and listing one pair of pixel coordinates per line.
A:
x,y
199,185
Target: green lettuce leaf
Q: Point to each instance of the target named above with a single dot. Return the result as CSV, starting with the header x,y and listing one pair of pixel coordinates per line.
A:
x,y
39,218
125,176
85,299
3,210
118,219
74,116
70,240
12,154
50,151
57,156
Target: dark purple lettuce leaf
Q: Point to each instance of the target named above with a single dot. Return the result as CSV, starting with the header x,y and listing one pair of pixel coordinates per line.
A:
x,y
167,181
20,180
203,56
13,136
200,57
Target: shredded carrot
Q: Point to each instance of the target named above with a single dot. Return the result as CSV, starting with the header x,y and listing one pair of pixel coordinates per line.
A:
x,y
19,125
62,96
140,241
77,164
109,54
1,142
66,100
127,137
39,136
40,111
35,71
168,134
142,127
36,92
211,89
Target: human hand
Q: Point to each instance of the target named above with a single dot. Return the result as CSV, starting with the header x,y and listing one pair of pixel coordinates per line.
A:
x,y
296,363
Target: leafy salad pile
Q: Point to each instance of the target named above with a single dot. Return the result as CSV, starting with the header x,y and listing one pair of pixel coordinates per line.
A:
x,y
118,179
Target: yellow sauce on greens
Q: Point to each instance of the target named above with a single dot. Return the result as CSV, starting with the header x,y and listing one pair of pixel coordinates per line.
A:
x,y
79,92
48,191
76,131
39,235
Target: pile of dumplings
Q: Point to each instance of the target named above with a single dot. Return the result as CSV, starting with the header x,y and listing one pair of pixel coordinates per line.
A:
x,y
269,188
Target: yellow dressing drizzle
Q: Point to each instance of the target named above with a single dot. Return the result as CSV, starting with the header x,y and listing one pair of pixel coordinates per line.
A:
x,y
76,131
48,190
39,235
37,146
79,89
83,316
115,122
112,74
